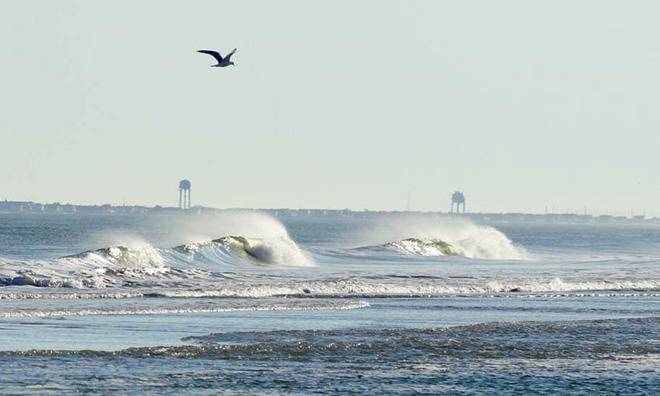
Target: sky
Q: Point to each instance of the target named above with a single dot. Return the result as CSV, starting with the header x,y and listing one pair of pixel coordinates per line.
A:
x,y
525,106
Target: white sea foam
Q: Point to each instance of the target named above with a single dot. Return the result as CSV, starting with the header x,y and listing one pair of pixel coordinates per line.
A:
x,y
422,247
118,265
306,306
49,294
281,251
352,288
91,269
455,237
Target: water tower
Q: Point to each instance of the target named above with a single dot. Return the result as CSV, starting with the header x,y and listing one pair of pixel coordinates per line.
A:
x,y
459,199
184,194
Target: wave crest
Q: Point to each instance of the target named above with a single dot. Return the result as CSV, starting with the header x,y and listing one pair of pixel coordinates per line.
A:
x,y
422,247
145,257
484,243
121,265
281,251
452,237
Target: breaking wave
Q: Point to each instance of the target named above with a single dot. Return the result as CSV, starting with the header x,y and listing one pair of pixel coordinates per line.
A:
x,y
422,247
124,266
281,251
480,243
450,237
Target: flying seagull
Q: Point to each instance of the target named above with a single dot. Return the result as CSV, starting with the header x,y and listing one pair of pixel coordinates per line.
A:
x,y
222,62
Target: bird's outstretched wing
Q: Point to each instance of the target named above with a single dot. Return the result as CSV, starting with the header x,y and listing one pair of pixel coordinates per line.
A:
x,y
228,56
214,54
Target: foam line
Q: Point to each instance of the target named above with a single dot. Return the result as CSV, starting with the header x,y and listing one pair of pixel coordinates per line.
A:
x,y
335,305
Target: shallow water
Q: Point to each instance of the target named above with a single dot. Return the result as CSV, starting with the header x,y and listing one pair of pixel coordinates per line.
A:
x,y
244,303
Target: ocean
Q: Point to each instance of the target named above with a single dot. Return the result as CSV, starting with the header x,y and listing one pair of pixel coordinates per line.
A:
x,y
245,303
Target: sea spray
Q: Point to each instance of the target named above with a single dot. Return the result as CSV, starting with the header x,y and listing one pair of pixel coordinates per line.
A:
x,y
447,237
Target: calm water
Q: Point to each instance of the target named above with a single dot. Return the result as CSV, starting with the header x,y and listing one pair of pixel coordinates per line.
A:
x,y
242,303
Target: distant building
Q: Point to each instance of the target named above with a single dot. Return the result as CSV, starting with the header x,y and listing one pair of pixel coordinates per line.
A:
x,y
458,199
184,194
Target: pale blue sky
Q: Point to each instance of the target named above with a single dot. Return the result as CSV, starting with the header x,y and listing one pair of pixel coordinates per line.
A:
x,y
336,104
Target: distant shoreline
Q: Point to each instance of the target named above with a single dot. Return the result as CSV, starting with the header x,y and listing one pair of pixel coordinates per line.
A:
x,y
27,207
